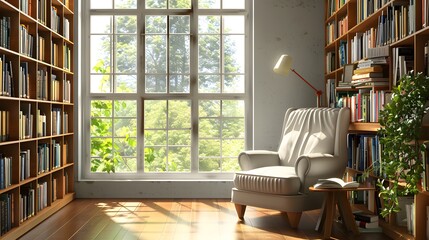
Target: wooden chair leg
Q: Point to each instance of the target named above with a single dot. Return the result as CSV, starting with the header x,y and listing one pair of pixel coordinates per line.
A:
x,y
240,210
293,218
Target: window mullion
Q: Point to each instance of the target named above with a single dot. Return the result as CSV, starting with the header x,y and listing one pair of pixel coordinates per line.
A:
x,y
193,51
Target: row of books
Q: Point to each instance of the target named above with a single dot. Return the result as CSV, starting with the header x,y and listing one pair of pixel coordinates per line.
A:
x,y
25,122
55,20
56,120
5,171
43,157
26,203
55,88
26,45
330,62
333,5
56,154
367,7
66,90
6,212
343,25
402,62
67,57
25,158
54,57
42,195
66,30
24,80
425,13
26,6
42,84
331,32
4,125
41,49
41,123
6,77
342,53
365,106
364,151
5,32
41,11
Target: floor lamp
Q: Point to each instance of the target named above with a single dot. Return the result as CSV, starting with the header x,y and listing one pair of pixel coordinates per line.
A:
x,y
282,67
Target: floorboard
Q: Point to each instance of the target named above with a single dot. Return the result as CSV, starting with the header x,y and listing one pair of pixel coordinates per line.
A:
x,y
171,219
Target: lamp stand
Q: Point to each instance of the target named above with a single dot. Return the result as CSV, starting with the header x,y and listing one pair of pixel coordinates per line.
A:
x,y
317,92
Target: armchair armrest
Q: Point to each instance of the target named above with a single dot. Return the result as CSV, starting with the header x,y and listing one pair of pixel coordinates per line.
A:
x,y
258,158
314,166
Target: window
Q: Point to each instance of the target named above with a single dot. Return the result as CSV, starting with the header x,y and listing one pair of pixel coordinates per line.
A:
x,y
167,88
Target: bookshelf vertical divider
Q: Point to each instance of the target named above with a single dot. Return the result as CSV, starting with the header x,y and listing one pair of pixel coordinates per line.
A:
x,y
36,112
345,22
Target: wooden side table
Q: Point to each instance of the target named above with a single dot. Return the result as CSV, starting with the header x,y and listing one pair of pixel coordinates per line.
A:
x,y
333,197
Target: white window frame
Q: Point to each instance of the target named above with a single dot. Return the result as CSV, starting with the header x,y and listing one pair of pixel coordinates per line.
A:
x,y
85,97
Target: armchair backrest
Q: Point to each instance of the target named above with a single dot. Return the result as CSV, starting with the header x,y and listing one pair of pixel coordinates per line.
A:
x,y
313,130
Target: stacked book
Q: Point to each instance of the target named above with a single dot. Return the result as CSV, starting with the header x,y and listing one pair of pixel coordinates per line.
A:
x,y
366,220
371,73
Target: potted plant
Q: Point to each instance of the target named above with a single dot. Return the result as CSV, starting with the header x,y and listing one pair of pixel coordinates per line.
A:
x,y
401,128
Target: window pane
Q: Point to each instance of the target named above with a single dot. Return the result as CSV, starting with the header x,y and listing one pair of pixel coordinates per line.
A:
x,y
234,54
156,54
155,137
126,84
100,53
125,127
209,128
209,4
179,24
125,146
233,24
156,24
101,108
125,4
126,54
99,147
125,24
101,4
125,108
179,4
233,128
233,108
155,159
209,84
210,164
179,54
179,83
179,114
233,84
161,4
100,84
179,159
179,137
156,83
209,54
208,24
101,127
155,114
209,148
209,108
232,147
101,24
126,165
233,4
230,164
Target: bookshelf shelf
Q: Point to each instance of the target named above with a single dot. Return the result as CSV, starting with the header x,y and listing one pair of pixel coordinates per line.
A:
x,y
36,112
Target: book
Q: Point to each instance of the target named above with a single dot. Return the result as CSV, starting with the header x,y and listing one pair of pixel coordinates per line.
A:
x,y
365,217
335,183
363,224
367,75
373,68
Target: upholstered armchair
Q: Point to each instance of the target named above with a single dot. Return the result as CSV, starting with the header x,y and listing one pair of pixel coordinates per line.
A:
x,y
313,146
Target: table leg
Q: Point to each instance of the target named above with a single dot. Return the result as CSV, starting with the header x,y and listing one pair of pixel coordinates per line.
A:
x,y
320,221
330,213
346,212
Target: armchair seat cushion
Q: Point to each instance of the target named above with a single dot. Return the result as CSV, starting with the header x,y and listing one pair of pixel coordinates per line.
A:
x,y
279,180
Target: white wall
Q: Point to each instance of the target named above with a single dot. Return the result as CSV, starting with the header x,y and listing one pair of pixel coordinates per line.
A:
x,y
294,27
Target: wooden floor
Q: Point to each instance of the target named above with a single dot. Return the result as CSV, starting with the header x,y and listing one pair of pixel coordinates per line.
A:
x,y
185,219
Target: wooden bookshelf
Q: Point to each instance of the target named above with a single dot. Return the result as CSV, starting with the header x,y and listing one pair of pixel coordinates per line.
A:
x,y
42,161
357,22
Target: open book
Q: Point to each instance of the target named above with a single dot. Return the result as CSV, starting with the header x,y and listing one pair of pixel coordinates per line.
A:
x,y
335,183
